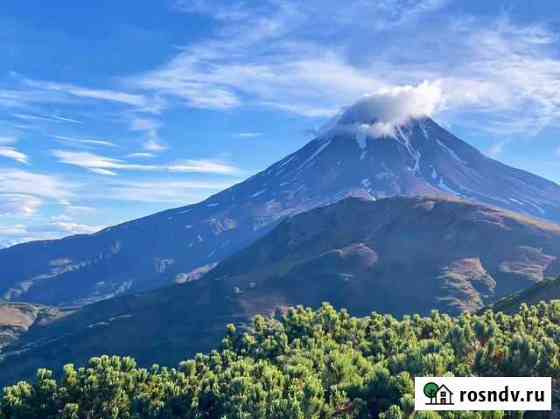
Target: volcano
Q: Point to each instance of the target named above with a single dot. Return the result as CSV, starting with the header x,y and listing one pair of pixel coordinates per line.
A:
x,y
355,155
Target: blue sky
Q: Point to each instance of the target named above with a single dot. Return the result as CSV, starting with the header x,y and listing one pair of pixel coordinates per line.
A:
x,y
111,110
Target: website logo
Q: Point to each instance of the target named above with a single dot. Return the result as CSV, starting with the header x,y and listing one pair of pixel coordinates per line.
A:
x,y
439,395
483,393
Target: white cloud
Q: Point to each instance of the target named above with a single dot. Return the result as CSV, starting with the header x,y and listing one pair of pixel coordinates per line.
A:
x,y
23,98
249,134
13,230
152,145
107,166
74,228
379,113
506,73
391,106
75,210
262,61
103,172
13,234
301,85
398,12
234,11
12,153
22,193
497,149
98,164
46,186
160,191
141,155
203,166
266,55
66,119
84,92
380,14
51,118
151,129
14,204
84,142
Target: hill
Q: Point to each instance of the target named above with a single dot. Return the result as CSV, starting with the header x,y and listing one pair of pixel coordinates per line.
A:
x,y
350,157
396,255
545,291
17,318
309,364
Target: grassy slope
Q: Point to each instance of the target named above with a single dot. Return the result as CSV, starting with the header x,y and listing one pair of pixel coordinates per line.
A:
x,y
17,318
546,291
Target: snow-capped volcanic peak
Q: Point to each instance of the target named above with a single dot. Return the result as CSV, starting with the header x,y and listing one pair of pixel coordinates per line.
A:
x,y
386,144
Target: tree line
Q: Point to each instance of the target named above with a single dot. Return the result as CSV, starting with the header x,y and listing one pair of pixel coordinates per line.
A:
x,y
307,363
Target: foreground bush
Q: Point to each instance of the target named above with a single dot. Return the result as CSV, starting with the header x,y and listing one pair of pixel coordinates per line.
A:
x,y
310,364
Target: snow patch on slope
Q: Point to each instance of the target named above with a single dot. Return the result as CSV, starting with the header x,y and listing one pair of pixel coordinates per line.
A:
x,y
442,185
450,151
258,193
415,154
318,151
361,139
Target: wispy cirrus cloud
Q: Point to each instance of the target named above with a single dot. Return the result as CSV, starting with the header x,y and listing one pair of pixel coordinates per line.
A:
x,y
141,155
382,14
89,93
13,154
150,128
249,134
51,118
498,148
178,192
68,227
109,166
19,204
22,192
31,101
267,56
18,233
84,142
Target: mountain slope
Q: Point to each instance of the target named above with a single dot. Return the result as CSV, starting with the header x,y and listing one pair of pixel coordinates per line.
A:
x,y
419,253
349,158
396,255
17,318
547,291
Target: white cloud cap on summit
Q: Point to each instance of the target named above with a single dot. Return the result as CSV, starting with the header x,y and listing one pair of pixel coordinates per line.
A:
x,y
381,111
395,104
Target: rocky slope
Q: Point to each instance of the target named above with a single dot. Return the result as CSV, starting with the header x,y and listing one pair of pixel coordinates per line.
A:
x,y
17,318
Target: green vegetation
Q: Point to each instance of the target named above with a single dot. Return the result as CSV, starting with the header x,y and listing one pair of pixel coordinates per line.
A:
x,y
309,364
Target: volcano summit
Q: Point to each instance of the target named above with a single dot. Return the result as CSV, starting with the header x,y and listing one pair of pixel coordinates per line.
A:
x,y
358,154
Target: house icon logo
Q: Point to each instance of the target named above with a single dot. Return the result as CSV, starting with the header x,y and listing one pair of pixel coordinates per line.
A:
x,y
438,395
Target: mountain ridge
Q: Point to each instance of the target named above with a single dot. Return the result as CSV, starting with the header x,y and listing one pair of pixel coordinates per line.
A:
x,y
397,255
346,159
